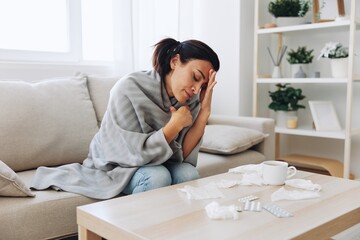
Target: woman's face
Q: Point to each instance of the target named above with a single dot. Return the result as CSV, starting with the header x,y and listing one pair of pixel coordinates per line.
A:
x,y
186,80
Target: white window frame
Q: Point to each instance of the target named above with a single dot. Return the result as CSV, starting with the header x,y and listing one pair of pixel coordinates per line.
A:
x,y
75,42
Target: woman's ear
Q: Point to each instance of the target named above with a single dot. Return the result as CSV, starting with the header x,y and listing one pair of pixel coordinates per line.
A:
x,y
174,61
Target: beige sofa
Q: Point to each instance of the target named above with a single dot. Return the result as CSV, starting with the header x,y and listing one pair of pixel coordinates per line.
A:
x,y
52,122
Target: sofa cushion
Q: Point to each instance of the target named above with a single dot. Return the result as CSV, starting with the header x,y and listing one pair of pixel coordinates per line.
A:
x,y
99,88
10,184
45,123
49,215
225,139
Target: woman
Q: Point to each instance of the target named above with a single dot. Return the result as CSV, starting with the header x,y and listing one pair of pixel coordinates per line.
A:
x,y
152,129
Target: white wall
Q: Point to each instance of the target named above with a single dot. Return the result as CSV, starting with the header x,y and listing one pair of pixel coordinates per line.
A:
x,y
227,26
222,34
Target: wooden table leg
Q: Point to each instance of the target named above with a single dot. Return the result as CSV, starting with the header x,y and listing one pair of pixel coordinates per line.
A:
x,y
85,234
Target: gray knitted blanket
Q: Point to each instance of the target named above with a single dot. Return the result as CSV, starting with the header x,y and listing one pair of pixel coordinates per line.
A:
x,y
130,136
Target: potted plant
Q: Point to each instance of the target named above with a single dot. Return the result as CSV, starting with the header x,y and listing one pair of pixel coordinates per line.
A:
x,y
289,12
285,102
337,54
299,60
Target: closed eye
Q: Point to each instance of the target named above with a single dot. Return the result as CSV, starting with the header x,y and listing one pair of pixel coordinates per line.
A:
x,y
195,78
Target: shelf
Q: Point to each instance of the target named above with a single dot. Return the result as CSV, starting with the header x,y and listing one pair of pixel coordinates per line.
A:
x,y
316,34
334,167
302,80
302,27
309,131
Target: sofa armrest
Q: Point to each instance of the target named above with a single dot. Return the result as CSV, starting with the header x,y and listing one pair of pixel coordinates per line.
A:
x,y
265,125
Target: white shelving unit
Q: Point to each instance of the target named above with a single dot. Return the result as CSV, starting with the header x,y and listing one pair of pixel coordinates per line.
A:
x,y
349,28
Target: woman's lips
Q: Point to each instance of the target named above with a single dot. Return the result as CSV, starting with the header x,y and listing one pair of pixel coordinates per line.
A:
x,y
189,95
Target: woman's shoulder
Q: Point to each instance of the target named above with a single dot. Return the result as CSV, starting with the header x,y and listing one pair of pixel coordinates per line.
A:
x,y
136,80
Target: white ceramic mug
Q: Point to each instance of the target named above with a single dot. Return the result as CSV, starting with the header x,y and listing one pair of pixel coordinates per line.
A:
x,y
276,172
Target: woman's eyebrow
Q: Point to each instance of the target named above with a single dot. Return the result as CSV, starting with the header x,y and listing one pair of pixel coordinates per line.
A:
x,y
201,73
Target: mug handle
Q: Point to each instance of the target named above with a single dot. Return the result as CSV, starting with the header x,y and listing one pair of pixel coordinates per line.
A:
x,y
291,172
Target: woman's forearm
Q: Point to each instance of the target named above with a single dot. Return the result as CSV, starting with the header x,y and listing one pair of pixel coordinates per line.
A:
x,y
195,133
170,131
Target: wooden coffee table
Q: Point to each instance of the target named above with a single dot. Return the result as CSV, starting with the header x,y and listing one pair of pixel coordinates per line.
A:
x,y
166,213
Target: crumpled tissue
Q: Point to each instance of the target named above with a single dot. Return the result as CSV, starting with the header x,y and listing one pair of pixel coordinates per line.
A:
x,y
249,179
215,211
251,174
206,192
248,168
283,194
224,183
303,184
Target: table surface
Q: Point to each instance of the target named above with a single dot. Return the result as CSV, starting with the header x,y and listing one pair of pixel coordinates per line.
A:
x,y
167,213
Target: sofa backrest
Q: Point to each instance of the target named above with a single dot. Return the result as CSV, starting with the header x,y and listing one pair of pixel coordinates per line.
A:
x,y
47,123
99,89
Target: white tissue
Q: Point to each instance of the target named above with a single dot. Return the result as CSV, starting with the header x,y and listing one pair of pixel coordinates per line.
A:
x,y
206,192
252,174
215,211
283,194
227,183
303,184
249,179
248,168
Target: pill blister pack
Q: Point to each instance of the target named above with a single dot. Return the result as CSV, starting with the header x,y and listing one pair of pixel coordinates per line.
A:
x,y
248,198
277,211
252,206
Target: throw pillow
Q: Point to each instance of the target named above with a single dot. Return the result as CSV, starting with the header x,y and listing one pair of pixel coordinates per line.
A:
x,y
45,123
225,139
11,185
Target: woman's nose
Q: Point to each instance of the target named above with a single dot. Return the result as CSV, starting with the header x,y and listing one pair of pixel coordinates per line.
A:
x,y
195,89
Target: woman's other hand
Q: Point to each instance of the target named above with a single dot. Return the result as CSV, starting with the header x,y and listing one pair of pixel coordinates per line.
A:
x,y
180,119
206,92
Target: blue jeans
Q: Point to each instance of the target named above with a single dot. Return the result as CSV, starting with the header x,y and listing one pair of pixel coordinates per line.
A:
x,y
150,177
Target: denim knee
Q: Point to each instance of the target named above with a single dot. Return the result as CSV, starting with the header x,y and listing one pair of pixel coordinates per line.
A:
x,y
147,178
182,172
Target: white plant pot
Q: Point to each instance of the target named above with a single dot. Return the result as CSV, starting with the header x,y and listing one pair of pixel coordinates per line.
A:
x,y
289,21
339,67
283,116
296,68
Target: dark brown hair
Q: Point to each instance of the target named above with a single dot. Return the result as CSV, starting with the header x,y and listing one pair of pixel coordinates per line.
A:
x,y
188,50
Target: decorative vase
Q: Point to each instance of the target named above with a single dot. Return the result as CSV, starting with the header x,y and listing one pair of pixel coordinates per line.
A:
x,y
276,72
289,21
339,67
295,69
283,116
